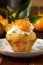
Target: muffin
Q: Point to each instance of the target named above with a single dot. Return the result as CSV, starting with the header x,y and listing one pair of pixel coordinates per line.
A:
x,y
21,36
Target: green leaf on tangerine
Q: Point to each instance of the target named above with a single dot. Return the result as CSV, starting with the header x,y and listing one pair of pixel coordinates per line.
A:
x,y
34,19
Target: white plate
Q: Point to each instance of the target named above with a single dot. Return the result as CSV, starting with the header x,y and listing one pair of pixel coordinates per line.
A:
x,y
6,49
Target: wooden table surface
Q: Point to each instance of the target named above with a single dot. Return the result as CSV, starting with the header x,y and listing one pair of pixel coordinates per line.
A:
x,y
38,60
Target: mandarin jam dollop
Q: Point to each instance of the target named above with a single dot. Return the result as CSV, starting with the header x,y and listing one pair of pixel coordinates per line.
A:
x,y
23,25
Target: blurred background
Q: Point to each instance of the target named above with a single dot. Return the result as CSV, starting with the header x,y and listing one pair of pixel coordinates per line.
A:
x,y
3,3
37,4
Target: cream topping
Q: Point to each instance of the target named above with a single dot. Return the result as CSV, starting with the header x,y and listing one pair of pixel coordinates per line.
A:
x,y
18,31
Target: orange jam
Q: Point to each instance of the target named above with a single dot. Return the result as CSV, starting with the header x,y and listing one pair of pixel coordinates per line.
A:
x,y
24,24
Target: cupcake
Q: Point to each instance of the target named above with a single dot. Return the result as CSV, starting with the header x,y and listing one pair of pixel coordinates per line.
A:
x,y
21,36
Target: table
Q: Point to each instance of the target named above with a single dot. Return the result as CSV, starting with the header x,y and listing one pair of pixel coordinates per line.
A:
x,y
38,60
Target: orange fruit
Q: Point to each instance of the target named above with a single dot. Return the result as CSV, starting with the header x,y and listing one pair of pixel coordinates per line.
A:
x,y
4,22
1,18
39,24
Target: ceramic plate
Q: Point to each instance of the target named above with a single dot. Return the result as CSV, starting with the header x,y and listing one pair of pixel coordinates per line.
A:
x,y
6,49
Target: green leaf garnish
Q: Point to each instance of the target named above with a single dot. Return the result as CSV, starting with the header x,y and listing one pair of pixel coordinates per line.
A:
x,y
24,11
9,10
21,13
34,19
10,18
